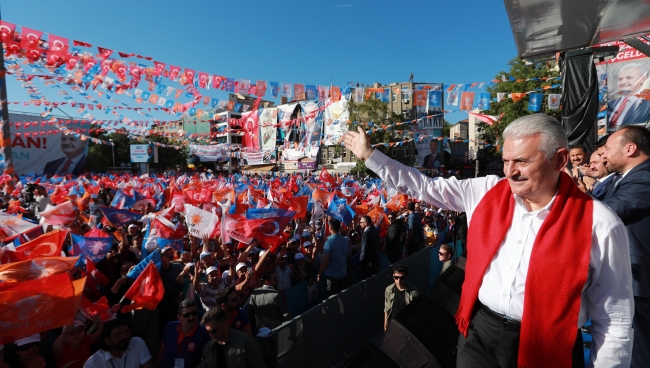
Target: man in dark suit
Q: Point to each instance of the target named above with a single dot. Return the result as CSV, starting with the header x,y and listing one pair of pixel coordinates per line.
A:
x,y
432,161
629,109
74,160
628,152
369,257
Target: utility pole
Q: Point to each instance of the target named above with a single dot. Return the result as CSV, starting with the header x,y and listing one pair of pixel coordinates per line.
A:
x,y
5,142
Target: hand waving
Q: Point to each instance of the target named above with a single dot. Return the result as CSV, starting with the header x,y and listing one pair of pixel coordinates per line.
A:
x,y
358,143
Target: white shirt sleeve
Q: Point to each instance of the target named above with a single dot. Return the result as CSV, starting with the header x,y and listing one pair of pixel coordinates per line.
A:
x,y
141,349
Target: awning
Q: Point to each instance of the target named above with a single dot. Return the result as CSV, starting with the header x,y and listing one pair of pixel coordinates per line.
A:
x,y
544,27
258,168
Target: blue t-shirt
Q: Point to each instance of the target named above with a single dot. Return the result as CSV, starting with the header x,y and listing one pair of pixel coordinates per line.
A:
x,y
336,247
191,349
414,222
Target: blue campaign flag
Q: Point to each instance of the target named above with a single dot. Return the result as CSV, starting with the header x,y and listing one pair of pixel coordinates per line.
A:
x,y
169,104
137,270
229,85
264,213
340,210
311,91
535,102
146,95
93,248
237,107
482,100
119,217
434,98
304,191
385,95
275,88
177,244
161,88
214,102
123,200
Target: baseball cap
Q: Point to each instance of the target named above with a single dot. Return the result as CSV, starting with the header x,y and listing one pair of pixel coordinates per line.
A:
x,y
205,254
306,244
240,265
165,249
264,332
306,234
211,269
133,226
28,340
299,256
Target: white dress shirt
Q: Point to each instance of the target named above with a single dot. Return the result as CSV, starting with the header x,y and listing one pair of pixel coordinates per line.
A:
x,y
134,357
607,295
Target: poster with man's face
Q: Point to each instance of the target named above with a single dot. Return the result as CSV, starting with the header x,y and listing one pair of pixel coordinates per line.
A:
x,y
40,148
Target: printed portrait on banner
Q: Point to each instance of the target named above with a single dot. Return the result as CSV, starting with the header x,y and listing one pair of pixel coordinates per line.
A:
x,y
312,124
624,90
250,127
336,117
50,154
268,120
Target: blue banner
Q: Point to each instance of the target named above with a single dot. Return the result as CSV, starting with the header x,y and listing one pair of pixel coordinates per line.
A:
x,y
535,102
434,98
340,210
93,248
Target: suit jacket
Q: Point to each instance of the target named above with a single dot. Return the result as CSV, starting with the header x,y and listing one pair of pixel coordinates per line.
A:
x,y
369,256
638,113
630,199
603,188
52,166
429,163
269,307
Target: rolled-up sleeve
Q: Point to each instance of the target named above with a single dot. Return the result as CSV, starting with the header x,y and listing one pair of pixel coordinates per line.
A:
x,y
609,298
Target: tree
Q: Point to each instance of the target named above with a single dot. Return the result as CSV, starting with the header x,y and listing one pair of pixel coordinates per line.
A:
x,y
372,114
542,75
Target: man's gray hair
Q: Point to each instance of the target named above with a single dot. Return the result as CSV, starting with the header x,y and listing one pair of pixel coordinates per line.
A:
x,y
553,136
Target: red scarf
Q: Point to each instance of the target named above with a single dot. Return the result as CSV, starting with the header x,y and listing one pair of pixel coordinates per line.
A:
x,y
557,270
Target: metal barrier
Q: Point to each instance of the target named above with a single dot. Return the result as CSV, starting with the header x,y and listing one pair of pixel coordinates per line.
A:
x,y
331,331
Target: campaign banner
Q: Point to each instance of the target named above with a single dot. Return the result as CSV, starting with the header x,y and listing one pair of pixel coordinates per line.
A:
x,y
301,128
258,158
307,165
218,152
250,128
39,148
268,120
426,143
144,153
286,113
337,117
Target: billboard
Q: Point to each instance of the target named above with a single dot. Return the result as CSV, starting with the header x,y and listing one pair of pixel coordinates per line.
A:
x,y
268,120
301,127
144,153
624,89
39,147
337,117
212,153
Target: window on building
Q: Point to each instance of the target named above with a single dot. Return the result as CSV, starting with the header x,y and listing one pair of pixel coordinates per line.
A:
x,y
324,155
394,96
407,153
394,152
345,154
237,139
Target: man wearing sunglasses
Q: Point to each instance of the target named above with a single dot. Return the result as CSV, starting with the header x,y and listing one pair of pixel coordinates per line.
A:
x,y
228,347
183,340
398,295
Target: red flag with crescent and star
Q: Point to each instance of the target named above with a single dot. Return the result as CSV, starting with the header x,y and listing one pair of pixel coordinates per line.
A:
x,y
63,214
147,290
46,245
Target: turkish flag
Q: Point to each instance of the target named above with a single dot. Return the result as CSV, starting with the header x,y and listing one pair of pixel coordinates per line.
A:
x,y
299,204
203,79
173,72
326,178
160,68
58,43
100,307
147,290
105,53
80,43
33,306
47,245
189,74
30,38
217,81
62,214
7,31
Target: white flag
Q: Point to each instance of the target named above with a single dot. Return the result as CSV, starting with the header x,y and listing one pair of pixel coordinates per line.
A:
x,y
554,101
199,222
500,96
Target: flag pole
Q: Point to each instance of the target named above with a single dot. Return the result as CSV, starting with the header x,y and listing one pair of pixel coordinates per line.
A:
x,y
5,142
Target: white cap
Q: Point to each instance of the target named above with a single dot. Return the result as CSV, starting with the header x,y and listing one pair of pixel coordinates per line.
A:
x,y
211,269
132,226
264,332
240,265
28,340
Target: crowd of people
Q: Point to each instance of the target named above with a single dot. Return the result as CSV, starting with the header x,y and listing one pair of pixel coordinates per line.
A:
x,y
221,298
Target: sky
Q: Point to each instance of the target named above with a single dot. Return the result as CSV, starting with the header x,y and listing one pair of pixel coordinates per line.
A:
x,y
294,41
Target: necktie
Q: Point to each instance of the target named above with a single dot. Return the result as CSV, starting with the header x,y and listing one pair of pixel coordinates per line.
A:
x,y
617,114
66,167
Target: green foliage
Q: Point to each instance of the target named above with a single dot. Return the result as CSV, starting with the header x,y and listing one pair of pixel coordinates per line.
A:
x,y
509,110
100,156
446,128
376,112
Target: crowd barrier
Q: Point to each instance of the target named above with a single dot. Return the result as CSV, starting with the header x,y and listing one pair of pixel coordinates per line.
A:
x,y
331,331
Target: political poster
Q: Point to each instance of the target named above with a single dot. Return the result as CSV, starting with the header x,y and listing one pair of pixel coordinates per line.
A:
x,y
40,148
259,158
624,89
213,153
268,120
429,155
301,129
144,153
336,117
428,107
250,128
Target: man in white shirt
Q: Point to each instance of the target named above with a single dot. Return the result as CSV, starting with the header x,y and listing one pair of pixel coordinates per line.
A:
x,y
119,349
535,152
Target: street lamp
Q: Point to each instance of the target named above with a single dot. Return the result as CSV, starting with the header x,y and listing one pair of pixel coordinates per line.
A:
x,y
112,152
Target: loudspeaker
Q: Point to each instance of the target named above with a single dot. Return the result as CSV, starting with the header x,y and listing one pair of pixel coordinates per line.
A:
x,y
369,356
422,335
447,288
